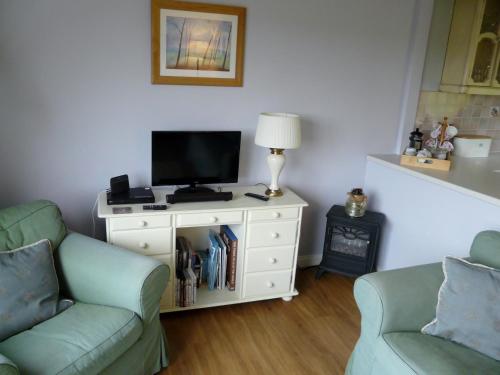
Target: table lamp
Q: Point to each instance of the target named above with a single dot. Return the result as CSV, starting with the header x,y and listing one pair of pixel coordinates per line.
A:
x,y
277,131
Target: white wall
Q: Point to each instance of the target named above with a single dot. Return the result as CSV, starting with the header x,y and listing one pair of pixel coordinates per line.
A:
x,y
77,105
424,221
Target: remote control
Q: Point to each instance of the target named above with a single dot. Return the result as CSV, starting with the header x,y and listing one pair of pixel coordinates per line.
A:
x,y
155,207
257,196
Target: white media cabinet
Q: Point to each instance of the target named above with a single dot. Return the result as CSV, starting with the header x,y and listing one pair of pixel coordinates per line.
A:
x,y
268,237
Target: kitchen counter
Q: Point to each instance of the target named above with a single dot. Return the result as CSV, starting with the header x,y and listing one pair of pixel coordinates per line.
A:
x,y
478,177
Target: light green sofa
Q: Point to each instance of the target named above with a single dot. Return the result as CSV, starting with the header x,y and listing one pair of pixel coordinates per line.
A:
x,y
114,325
396,304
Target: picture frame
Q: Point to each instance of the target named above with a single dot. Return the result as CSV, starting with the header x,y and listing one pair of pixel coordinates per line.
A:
x,y
197,43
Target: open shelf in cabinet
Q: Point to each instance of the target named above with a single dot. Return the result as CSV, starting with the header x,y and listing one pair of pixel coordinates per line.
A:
x,y
198,236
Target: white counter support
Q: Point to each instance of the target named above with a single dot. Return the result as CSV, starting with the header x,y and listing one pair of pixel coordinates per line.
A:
x,y
430,214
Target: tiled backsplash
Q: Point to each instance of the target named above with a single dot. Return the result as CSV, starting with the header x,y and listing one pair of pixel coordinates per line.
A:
x,y
471,114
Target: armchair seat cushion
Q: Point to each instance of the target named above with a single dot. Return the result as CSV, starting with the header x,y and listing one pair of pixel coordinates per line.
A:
x,y
415,353
85,339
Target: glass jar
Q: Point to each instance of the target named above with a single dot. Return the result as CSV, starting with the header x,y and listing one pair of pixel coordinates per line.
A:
x,y
356,203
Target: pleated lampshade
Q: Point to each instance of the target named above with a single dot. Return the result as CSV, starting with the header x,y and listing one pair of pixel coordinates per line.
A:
x,y
278,130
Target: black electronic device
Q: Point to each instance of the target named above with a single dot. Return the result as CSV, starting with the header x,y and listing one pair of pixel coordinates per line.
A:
x,y
133,196
154,207
199,197
121,193
119,184
257,196
194,157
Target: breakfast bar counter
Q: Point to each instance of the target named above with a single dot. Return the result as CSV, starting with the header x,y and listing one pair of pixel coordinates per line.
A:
x,y
431,214
478,177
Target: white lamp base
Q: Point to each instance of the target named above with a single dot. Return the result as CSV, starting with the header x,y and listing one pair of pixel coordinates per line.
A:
x,y
276,162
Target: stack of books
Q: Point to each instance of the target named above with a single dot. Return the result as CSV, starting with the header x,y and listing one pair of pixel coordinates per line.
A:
x,y
222,259
189,273
216,265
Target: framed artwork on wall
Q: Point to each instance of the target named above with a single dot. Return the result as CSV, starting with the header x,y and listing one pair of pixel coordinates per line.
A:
x,y
197,43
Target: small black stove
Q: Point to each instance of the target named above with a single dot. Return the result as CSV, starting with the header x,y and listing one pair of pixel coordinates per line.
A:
x,y
351,243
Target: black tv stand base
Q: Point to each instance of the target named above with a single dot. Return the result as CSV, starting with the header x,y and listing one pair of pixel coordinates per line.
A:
x,y
194,189
208,196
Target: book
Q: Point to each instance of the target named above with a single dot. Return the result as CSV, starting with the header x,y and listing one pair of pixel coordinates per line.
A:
x,y
187,289
198,268
221,262
213,261
231,242
204,265
187,280
223,258
192,286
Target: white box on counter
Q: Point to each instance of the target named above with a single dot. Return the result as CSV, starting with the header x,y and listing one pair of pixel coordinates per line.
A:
x,y
472,146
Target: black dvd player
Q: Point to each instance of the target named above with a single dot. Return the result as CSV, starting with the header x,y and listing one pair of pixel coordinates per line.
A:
x,y
133,195
199,197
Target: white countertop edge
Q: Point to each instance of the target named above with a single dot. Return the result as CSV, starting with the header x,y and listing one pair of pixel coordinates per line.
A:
x,y
416,173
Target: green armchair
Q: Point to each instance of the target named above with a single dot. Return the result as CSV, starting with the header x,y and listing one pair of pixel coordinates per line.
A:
x,y
114,325
396,304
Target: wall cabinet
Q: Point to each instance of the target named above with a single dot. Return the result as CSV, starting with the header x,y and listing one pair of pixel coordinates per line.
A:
x,y
472,62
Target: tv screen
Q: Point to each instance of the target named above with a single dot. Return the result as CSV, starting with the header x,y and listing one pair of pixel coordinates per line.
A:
x,y
195,157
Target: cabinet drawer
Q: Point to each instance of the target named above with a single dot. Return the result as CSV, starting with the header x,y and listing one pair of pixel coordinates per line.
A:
x,y
276,214
167,297
144,241
140,222
267,283
270,259
210,218
272,234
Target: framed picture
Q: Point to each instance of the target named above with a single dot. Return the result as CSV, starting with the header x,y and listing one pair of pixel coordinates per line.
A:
x,y
197,43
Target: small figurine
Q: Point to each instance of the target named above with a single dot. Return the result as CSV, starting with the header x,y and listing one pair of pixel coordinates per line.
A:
x,y
441,137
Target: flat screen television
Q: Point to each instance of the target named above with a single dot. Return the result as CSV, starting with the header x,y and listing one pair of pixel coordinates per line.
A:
x,y
195,157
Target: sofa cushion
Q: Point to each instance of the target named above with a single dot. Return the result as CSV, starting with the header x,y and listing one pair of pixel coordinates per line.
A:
x,y
84,339
31,222
29,290
416,353
468,311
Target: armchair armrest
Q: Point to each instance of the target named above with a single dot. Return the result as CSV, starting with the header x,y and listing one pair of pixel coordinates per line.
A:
x,y
96,272
7,367
398,300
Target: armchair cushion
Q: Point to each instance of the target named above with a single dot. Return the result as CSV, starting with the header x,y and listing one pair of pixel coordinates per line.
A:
x,y
400,353
29,290
31,222
84,339
485,249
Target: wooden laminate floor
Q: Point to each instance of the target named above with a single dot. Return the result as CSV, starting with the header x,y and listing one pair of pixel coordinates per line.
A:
x,y
313,334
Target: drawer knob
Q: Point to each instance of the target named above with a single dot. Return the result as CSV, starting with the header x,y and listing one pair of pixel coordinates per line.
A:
x,y
143,245
276,215
275,235
273,260
142,223
270,284
213,219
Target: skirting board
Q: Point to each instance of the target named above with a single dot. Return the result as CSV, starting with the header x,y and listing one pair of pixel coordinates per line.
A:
x,y
309,260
